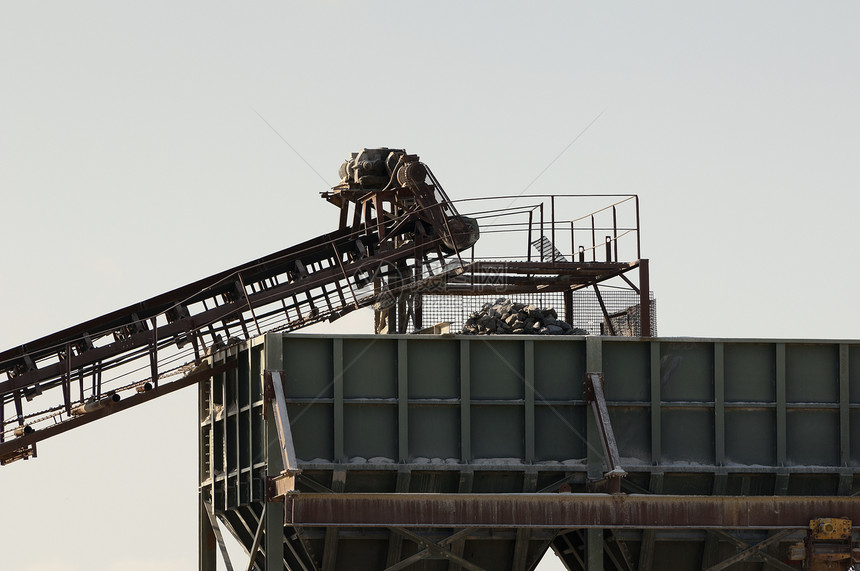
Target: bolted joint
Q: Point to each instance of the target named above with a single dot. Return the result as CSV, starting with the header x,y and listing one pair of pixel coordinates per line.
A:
x,y
268,387
282,485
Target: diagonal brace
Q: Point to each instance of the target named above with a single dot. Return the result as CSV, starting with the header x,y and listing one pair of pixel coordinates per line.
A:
x,y
754,550
285,482
258,538
433,549
216,529
595,397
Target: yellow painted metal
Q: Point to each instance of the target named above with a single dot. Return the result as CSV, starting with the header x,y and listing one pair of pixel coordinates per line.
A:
x,y
830,528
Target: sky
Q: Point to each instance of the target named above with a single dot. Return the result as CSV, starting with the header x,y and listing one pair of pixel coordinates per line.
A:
x,y
138,153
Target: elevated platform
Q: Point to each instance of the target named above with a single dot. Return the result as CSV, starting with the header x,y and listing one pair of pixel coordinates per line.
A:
x,y
485,276
730,446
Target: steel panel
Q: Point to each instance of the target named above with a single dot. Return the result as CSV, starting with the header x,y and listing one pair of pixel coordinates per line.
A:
x,y
854,373
483,415
496,370
750,372
441,381
626,367
686,371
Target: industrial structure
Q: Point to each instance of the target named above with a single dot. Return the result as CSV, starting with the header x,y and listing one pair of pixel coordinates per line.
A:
x,y
416,448
482,453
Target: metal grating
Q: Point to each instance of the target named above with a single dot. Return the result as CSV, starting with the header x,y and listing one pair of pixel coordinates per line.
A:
x,y
548,252
621,304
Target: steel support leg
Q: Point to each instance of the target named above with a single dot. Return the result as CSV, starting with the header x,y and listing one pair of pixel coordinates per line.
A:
x,y
594,549
645,300
207,512
207,555
274,522
276,458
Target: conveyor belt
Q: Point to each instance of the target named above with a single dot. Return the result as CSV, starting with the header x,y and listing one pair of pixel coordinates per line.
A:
x,y
86,367
399,237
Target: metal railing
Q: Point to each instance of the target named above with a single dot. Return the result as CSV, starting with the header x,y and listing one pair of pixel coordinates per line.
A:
x,y
548,223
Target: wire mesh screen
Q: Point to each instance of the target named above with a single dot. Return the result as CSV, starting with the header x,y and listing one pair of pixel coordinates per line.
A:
x,y
622,306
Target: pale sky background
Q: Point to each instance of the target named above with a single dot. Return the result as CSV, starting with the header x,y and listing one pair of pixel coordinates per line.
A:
x,y
132,161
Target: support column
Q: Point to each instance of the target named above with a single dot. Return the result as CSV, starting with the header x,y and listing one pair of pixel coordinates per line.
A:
x,y
593,364
395,541
337,382
656,396
782,477
206,544
529,389
649,536
521,549
568,306
719,405
207,555
402,402
594,549
711,551
844,406
593,537
464,487
274,515
465,403
645,299
781,416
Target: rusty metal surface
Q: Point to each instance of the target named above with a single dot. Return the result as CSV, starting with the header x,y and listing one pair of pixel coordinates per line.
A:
x,y
142,334
418,414
9,447
399,236
279,486
563,510
482,276
383,255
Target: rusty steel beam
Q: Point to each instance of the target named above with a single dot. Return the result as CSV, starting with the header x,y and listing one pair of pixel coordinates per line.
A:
x,y
486,277
190,293
564,510
553,268
198,321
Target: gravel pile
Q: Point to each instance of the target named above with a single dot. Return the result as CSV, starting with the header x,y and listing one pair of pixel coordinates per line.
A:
x,y
505,317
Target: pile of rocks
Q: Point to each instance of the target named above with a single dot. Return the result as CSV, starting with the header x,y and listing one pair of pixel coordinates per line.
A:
x,y
505,317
